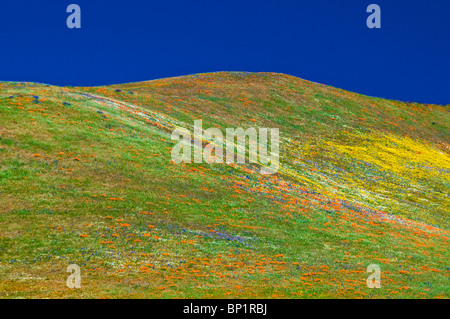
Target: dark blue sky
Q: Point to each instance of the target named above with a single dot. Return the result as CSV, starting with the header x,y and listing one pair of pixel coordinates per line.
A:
x,y
325,41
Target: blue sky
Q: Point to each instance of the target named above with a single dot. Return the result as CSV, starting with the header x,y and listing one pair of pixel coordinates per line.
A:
x,y
325,41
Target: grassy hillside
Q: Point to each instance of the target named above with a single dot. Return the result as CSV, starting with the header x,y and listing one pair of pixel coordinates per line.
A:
x,y
86,177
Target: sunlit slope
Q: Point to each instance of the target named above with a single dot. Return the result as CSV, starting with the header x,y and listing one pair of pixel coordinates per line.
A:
x,y
383,147
86,177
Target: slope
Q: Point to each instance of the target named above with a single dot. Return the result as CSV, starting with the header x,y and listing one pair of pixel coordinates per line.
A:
x,y
86,177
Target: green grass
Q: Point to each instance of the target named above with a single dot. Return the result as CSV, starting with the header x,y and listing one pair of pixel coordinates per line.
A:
x,y
362,181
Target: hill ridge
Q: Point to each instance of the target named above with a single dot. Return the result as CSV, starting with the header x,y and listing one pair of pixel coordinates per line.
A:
x,y
86,176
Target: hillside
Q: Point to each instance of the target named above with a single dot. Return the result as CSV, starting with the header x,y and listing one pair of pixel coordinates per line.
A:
x,y
86,177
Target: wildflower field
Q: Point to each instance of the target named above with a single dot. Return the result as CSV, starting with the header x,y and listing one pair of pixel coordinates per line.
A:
x,y
86,178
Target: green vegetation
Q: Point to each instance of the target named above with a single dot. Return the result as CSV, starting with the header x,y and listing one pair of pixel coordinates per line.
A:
x,y
86,177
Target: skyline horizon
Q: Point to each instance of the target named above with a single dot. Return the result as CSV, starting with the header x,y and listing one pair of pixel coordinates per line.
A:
x,y
223,71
